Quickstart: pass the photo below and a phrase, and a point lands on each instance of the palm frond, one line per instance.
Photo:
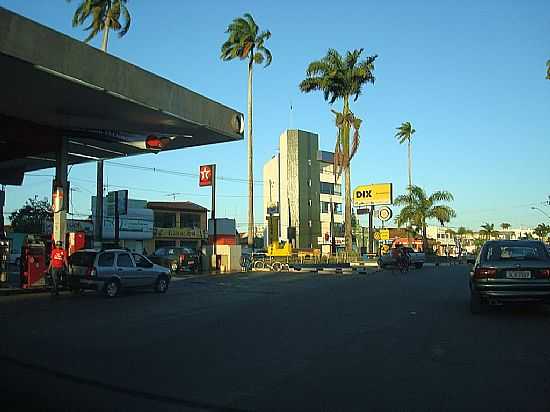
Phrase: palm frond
(441, 196)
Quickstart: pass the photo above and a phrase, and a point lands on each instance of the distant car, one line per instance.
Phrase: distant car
(109, 271)
(177, 259)
(417, 259)
(510, 271)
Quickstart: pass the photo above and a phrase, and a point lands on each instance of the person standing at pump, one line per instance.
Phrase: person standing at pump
(58, 263)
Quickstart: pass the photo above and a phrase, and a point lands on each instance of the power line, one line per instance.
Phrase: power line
(179, 173)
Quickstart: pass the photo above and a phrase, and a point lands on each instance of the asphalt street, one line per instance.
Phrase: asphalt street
(274, 342)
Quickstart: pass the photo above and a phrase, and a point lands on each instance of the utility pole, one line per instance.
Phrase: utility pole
(371, 240)
(98, 232)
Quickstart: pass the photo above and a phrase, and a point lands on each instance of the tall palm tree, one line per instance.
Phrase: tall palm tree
(418, 208)
(404, 134)
(548, 69)
(488, 230)
(105, 15)
(246, 42)
(340, 78)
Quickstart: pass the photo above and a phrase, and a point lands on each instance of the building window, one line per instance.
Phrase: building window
(337, 189)
(190, 220)
(165, 219)
(325, 207)
(338, 208)
(327, 188)
(338, 229)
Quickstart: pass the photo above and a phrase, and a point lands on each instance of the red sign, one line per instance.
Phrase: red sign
(206, 175)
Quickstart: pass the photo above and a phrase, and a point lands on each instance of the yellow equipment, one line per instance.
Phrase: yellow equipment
(279, 249)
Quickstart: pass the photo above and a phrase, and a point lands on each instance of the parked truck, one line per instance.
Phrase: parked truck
(417, 259)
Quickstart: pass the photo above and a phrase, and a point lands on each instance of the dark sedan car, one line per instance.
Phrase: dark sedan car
(510, 271)
(177, 259)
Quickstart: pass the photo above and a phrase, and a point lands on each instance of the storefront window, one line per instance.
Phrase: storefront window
(165, 219)
(190, 220)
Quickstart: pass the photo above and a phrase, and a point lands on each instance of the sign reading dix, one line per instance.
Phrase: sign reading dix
(375, 194)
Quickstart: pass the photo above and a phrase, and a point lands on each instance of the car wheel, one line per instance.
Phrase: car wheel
(111, 288)
(276, 267)
(418, 265)
(476, 304)
(258, 264)
(161, 286)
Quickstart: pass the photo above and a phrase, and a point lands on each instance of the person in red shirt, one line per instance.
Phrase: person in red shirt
(58, 263)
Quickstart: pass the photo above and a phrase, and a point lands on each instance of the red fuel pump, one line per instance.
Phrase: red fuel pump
(33, 263)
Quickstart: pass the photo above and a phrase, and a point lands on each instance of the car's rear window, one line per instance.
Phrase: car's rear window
(498, 252)
(82, 259)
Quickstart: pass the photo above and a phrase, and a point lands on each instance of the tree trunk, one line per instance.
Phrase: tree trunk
(410, 162)
(250, 163)
(347, 177)
(106, 34)
(424, 238)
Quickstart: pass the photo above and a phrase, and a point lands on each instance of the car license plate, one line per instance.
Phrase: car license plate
(191, 262)
(518, 274)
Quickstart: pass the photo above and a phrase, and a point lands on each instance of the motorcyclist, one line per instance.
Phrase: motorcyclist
(58, 264)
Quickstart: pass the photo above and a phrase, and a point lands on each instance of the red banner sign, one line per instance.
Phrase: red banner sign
(206, 175)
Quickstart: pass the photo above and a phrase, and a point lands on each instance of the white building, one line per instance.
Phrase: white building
(330, 195)
(298, 188)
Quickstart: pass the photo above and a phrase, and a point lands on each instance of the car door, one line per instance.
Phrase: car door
(105, 265)
(126, 269)
(144, 268)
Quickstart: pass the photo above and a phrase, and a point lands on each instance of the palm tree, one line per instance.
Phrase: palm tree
(542, 231)
(246, 41)
(404, 134)
(106, 15)
(505, 226)
(418, 207)
(488, 230)
(548, 69)
(339, 78)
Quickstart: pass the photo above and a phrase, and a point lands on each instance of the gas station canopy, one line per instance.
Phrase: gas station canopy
(56, 87)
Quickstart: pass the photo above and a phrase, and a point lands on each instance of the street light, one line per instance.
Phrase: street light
(541, 211)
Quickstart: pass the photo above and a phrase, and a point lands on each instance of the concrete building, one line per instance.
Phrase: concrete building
(330, 192)
(178, 224)
(298, 189)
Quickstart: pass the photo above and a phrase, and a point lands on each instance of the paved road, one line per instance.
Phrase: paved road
(273, 342)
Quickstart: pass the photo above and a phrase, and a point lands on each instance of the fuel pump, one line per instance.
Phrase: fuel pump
(33, 262)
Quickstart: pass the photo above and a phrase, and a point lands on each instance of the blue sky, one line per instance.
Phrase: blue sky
(469, 75)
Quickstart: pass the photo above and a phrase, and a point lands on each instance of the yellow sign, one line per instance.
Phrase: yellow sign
(376, 194)
(384, 234)
(178, 232)
(377, 235)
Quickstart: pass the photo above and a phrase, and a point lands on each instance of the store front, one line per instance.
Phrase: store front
(177, 224)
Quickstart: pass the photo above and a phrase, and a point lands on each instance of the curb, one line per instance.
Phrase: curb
(21, 291)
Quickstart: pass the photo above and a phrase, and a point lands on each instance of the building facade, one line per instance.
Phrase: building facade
(331, 205)
(177, 224)
(298, 190)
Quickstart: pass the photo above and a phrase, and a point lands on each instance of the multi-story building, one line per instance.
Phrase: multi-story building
(298, 190)
(331, 207)
(177, 224)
